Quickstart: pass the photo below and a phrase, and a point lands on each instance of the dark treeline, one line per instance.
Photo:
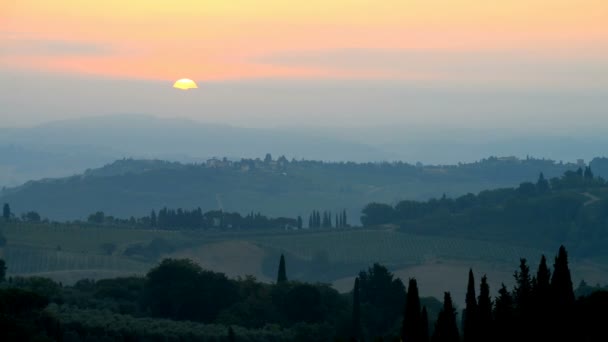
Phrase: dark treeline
(546, 210)
(326, 220)
(163, 305)
(218, 219)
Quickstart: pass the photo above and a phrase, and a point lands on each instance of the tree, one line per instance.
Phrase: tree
(2, 270)
(588, 174)
(179, 289)
(543, 279)
(98, 217)
(300, 223)
(446, 329)
(231, 335)
(376, 214)
(6, 212)
(411, 328)
(484, 311)
(31, 216)
(282, 274)
(523, 287)
(562, 297)
(541, 300)
(561, 282)
(383, 299)
(267, 158)
(153, 220)
(542, 185)
(470, 327)
(522, 294)
(356, 332)
(503, 316)
(424, 323)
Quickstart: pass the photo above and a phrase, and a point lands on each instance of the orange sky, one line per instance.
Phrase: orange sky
(242, 39)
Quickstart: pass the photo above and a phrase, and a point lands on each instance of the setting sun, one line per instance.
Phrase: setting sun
(185, 84)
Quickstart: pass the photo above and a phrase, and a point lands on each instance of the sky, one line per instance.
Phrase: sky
(264, 62)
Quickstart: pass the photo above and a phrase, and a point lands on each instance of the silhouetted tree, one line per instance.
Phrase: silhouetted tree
(383, 297)
(541, 300)
(424, 323)
(411, 328)
(300, 223)
(561, 282)
(523, 286)
(231, 335)
(282, 274)
(470, 326)
(522, 294)
(6, 212)
(446, 329)
(503, 316)
(562, 297)
(484, 311)
(356, 333)
(2, 270)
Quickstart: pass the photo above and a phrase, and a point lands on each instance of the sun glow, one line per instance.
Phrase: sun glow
(185, 84)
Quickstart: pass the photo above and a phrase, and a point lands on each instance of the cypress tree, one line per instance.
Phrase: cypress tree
(523, 301)
(543, 279)
(446, 329)
(542, 185)
(153, 218)
(561, 282)
(231, 335)
(484, 311)
(470, 313)
(344, 222)
(356, 333)
(282, 274)
(523, 286)
(541, 300)
(6, 212)
(411, 328)
(424, 324)
(300, 223)
(2, 270)
(503, 316)
(562, 298)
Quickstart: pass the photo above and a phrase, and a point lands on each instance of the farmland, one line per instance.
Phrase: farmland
(69, 252)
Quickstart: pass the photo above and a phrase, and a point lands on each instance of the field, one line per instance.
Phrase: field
(70, 252)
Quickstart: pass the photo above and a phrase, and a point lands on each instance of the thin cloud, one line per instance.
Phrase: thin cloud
(12, 46)
(556, 67)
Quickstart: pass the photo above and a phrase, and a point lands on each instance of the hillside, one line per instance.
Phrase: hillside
(276, 187)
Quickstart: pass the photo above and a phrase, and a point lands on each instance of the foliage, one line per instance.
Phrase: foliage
(573, 209)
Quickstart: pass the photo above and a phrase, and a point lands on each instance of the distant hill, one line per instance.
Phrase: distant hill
(276, 187)
(67, 147)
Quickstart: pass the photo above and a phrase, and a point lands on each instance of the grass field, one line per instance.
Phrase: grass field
(70, 252)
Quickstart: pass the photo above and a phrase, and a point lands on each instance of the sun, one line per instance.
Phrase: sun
(185, 84)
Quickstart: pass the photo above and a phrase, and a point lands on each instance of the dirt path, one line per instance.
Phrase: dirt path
(592, 198)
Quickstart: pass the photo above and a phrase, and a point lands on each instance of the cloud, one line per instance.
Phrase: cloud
(513, 66)
(16, 44)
